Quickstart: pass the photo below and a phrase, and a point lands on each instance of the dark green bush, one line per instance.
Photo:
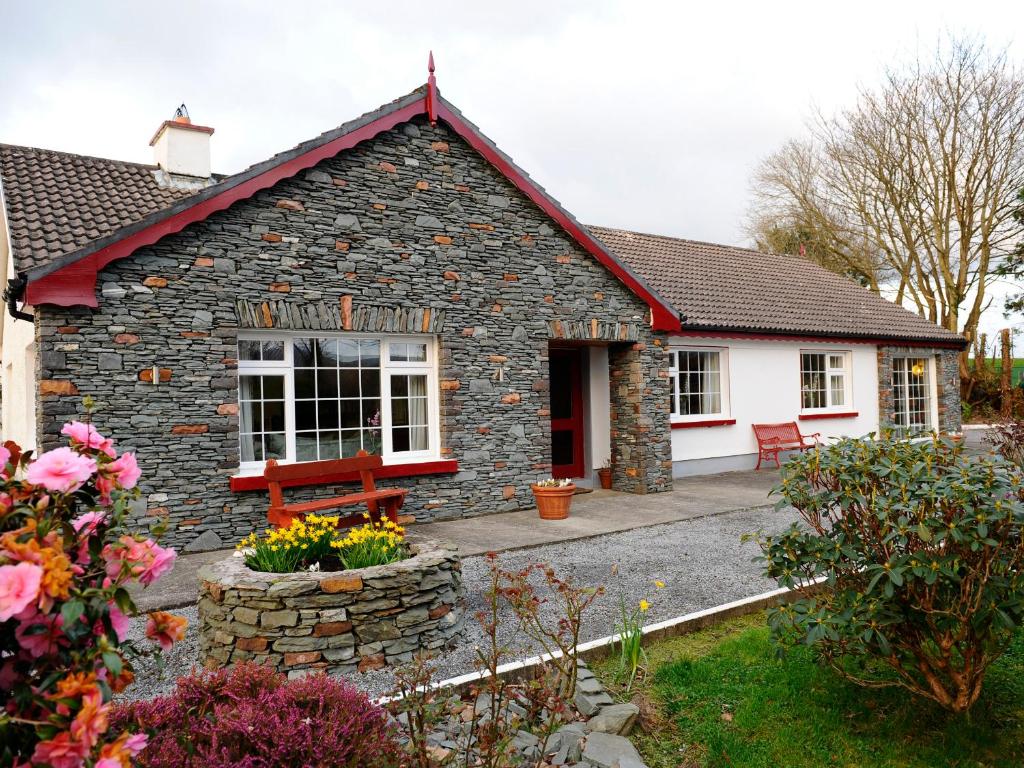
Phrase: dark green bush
(920, 551)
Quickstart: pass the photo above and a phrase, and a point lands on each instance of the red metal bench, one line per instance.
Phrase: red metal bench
(384, 502)
(773, 439)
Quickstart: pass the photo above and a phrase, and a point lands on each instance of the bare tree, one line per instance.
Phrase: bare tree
(913, 188)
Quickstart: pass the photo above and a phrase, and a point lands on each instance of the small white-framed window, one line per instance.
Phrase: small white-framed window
(912, 394)
(825, 380)
(699, 379)
(314, 396)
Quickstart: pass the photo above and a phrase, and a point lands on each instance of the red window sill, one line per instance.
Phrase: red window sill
(706, 423)
(816, 416)
(257, 483)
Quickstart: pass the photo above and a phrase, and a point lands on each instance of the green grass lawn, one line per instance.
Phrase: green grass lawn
(722, 697)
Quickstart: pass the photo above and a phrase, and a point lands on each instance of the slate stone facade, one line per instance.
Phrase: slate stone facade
(945, 368)
(411, 230)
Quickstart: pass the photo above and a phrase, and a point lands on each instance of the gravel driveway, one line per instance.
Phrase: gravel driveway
(702, 562)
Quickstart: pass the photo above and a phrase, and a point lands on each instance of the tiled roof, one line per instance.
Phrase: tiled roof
(59, 202)
(722, 288)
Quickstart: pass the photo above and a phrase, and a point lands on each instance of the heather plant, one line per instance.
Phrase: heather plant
(66, 558)
(920, 552)
(250, 716)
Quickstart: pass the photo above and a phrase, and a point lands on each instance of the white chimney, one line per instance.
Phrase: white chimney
(181, 148)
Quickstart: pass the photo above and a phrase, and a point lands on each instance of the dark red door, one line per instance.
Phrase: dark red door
(566, 388)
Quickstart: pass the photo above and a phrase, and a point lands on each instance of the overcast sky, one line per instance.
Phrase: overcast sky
(648, 116)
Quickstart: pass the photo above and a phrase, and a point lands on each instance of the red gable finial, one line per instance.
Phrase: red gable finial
(431, 90)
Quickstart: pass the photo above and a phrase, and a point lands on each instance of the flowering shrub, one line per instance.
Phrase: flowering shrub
(316, 543)
(254, 717)
(922, 554)
(65, 559)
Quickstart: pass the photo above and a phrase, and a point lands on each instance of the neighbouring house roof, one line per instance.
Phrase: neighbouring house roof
(68, 277)
(722, 289)
(58, 202)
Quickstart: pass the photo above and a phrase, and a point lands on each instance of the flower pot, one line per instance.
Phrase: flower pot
(604, 474)
(553, 503)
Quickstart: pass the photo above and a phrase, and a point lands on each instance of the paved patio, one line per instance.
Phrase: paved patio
(593, 514)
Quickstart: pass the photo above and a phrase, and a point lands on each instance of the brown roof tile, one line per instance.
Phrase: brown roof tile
(722, 288)
(58, 202)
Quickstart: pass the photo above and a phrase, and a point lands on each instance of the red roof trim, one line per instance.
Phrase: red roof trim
(771, 336)
(75, 284)
(241, 483)
(664, 317)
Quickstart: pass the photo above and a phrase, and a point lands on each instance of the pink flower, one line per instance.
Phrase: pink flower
(60, 752)
(108, 762)
(136, 743)
(127, 470)
(166, 628)
(119, 622)
(5, 456)
(162, 562)
(61, 470)
(41, 643)
(89, 521)
(19, 588)
(87, 436)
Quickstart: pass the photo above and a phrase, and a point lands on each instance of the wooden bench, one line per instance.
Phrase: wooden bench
(773, 439)
(381, 503)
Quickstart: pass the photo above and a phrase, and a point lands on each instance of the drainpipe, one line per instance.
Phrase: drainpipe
(14, 292)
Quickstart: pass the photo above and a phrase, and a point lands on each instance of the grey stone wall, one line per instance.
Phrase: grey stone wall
(410, 229)
(339, 622)
(947, 378)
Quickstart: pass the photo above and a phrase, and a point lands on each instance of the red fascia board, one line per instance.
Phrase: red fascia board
(706, 423)
(663, 317)
(241, 483)
(817, 416)
(76, 283)
(771, 336)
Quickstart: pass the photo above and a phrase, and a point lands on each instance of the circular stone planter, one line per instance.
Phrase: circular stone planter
(338, 622)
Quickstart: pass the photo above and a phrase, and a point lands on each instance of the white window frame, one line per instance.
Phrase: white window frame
(846, 371)
(286, 368)
(931, 386)
(723, 372)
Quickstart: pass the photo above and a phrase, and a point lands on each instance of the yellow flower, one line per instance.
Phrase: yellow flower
(644, 606)
(659, 584)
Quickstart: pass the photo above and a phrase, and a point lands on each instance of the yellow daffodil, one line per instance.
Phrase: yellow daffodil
(659, 584)
(644, 605)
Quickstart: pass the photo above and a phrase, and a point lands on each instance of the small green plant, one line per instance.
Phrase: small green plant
(631, 637)
(921, 550)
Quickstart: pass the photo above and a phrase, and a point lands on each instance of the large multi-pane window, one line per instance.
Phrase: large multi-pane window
(698, 383)
(824, 380)
(911, 394)
(316, 397)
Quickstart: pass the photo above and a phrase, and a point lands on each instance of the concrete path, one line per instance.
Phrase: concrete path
(593, 514)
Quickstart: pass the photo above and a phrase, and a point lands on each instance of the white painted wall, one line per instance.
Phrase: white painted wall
(764, 387)
(17, 360)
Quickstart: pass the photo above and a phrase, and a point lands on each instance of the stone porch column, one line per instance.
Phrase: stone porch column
(640, 430)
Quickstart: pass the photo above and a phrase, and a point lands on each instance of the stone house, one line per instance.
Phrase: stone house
(398, 284)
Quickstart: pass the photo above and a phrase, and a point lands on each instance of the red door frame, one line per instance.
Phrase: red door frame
(574, 423)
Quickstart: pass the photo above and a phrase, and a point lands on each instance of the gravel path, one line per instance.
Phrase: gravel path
(702, 562)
